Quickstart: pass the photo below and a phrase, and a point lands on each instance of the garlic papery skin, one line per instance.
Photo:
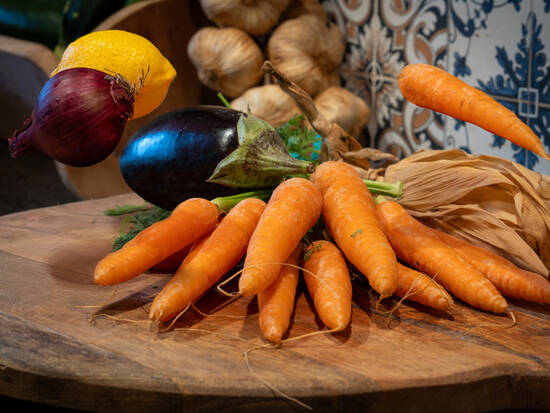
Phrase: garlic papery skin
(255, 17)
(268, 102)
(297, 8)
(227, 60)
(343, 107)
(308, 52)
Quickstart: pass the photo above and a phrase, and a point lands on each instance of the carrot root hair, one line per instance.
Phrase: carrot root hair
(270, 386)
(213, 312)
(398, 304)
(115, 291)
(225, 293)
(513, 317)
(382, 297)
(112, 317)
(509, 314)
(156, 323)
(278, 345)
(236, 294)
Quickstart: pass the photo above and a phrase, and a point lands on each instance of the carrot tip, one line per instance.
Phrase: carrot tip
(513, 317)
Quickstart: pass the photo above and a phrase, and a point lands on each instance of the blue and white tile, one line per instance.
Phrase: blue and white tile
(384, 36)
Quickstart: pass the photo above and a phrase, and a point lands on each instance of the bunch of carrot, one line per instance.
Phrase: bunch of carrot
(395, 252)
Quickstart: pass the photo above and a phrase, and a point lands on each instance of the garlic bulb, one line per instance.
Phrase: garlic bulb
(268, 102)
(256, 17)
(343, 107)
(227, 60)
(308, 52)
(298, 7)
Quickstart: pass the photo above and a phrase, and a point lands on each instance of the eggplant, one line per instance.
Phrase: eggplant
(169, 160)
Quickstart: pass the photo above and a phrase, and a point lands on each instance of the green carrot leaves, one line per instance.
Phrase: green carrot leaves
(136, 220)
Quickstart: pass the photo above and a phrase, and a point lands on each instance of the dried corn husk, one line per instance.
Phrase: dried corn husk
(489, 201)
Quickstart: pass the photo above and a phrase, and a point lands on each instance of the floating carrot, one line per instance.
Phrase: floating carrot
(509, 279)
(349, 213)
(209, 261)
(330, 287)
(418, 246)
(191, 220)
(292, 210)
(433, 88)
(276, 302)
(416, 286)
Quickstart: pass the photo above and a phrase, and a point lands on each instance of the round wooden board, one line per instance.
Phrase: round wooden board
(71, 343)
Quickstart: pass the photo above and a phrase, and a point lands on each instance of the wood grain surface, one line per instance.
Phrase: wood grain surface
(67, 342)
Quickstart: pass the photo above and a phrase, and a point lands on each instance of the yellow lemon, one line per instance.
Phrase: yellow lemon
(128, 54)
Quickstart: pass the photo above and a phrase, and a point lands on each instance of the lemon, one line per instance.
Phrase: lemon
(128, 54)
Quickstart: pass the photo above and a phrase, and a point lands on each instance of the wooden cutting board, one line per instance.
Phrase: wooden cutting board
(68, 342)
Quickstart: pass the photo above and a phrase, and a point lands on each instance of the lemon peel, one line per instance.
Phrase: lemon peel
(128, 54)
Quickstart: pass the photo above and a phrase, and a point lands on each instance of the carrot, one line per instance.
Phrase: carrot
(330, 288)
(294, 207)
(191, 220)
(209, 260)
(349, 213)
(276, 302)
(433, 88)
(509, 279)
(418, 246)
(416, 286)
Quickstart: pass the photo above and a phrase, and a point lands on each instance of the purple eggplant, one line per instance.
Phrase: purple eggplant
(169, 160)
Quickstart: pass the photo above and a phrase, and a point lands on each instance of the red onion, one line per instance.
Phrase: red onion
(78, 118)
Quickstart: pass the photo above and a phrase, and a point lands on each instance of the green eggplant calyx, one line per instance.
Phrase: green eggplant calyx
(261, 160)
(249, 127)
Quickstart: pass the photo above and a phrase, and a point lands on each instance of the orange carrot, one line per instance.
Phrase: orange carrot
(191, 220)
(276, 302)
(294, 207)
(433, 88)
(418, 246)
(509, 279)
(330, 287)
(209, 261)
(416, 286)
(349, 213)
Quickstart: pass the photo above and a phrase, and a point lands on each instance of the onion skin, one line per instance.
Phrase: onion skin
(78, 119)
(168, 160)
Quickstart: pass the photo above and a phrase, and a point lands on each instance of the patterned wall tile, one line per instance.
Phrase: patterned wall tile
(383, 36)
(499, 46)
